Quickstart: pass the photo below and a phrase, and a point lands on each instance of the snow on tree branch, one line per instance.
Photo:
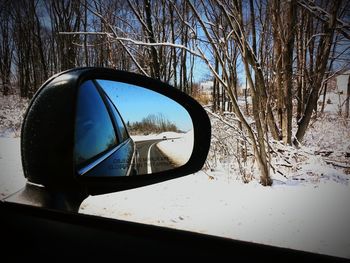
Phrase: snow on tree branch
(324, 16)
(140, 43)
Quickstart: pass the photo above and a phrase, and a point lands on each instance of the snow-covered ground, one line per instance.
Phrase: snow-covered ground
(159, 136)
(12, 109)
(11, 174)
(331, 131)
(310, 217)
(308, 208)
(139, 138)
(179, 150)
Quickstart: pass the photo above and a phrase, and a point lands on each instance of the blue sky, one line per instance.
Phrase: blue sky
(135, 103)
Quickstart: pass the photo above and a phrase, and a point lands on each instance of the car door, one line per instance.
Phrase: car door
(96, 155)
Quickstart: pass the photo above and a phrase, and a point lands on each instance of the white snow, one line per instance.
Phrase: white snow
(331, 131)
(12, 109)
(138, 138)
(309, 217)
(335, 101)
(11, 174)
(159, 136)
(178, 150)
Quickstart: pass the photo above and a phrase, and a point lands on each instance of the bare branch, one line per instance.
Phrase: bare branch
(85, 33)
(324, 16)
(168, 44)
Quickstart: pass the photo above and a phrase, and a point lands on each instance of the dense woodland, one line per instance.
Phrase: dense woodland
(287, 52)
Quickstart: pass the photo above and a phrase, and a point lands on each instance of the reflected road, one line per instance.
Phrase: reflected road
(151, 159)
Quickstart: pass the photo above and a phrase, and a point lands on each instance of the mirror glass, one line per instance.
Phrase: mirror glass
(125, 130)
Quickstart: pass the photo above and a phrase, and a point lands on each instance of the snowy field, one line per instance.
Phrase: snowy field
(168, 135)
(309, 209)
(179, 150)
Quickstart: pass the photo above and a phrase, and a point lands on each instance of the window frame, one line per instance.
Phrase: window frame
(109, 104)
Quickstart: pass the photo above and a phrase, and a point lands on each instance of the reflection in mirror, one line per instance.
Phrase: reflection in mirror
(153, 133)
(160, 127)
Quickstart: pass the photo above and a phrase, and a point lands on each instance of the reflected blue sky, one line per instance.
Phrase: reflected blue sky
(135, 103)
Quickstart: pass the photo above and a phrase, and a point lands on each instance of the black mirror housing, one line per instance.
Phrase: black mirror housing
(47, 139)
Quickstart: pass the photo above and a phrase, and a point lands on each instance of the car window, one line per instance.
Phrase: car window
(94, 132)
(270, 74)
(122, 131)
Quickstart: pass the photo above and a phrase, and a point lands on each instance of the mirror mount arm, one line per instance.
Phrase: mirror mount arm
(40, 196)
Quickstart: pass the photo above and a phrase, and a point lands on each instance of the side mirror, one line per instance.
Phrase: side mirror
(120, 130)
(96, 130)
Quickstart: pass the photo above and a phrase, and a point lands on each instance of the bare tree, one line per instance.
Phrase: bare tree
(6, 47)
(30, 54)
(284, 22)
(288, 50)
(316, 76)
(65, 16)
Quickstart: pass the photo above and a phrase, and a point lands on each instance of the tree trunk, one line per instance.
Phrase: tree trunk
(86, 51)
(347, 103)
(323, 52)
(300, 66)
(288, 72)
(151, 38)
(173, 50)
(324, 96)
(259, 148)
